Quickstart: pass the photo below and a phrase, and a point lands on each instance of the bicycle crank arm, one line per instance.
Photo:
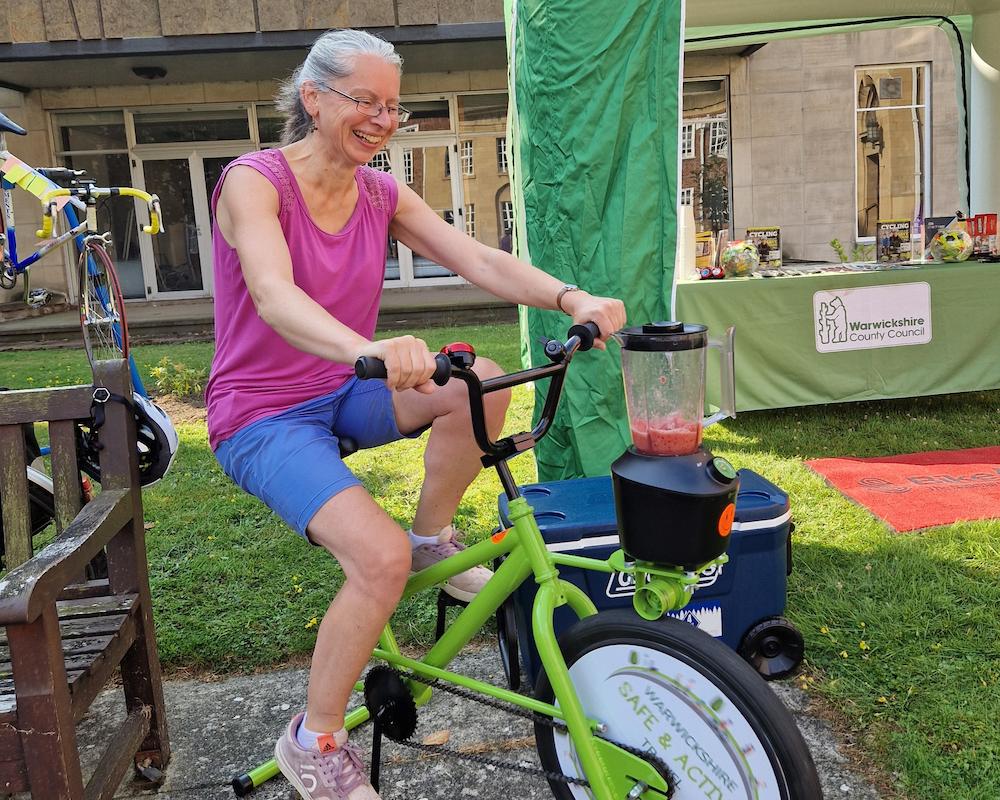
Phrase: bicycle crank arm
(628, 772)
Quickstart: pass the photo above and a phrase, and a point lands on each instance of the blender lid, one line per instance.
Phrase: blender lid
(663, 336)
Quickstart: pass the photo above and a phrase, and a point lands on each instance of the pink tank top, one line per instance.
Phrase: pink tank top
(256, 373)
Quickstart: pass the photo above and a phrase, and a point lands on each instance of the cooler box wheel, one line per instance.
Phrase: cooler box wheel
(774, 647)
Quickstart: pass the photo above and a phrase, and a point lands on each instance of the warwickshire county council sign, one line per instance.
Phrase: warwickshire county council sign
(875, 316)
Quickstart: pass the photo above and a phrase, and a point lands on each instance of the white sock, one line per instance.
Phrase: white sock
(305, 737)
(416, 541)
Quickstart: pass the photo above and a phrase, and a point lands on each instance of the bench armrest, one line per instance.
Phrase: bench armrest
(29, 587)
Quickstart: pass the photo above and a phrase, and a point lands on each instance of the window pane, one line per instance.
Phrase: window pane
(482, 113)
(380, 161)
(468, 161)
(98, 130)
(486, 193)
(116, 215)
(270, 123)
(687, 141)
(704, 146)
(426, 115)
(888, 86)
(890, 153)
(191, 126)
(502, 154)
(428, 165)
(176, 252)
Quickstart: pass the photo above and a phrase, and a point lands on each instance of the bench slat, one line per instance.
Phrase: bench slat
(74, 615)
(65, 472)
(70, 647)
(14, 494)
(34, 405)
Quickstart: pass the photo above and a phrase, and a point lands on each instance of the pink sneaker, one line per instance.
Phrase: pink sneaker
(464, 586)
(336, 773)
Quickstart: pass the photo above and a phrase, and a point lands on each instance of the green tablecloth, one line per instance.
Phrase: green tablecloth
(778, 358)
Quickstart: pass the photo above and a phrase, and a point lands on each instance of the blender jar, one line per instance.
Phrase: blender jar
(663, 366)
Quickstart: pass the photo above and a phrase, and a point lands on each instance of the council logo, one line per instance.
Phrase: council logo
(872, 317)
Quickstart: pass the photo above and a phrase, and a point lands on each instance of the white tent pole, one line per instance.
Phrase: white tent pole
(985, 112)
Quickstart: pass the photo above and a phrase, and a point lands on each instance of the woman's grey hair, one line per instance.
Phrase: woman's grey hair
(332, 56)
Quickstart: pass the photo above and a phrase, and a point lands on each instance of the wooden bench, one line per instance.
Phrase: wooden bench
(66, 637)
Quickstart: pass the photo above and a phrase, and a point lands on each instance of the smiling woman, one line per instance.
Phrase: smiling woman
(299, 246)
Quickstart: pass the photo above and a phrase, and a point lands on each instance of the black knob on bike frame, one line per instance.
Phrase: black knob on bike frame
(586, 333)
(370, 367)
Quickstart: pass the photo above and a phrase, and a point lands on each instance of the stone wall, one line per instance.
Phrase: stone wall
(62, 20)
(793, 138)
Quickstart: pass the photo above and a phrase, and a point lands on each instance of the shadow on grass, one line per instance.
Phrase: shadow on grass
(870, 428)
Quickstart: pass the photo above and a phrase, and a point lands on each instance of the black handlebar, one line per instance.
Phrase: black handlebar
(581, 337)
(370, 367)
(586, 333)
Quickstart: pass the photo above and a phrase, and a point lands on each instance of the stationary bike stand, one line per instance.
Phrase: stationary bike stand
(388, 700)
(444, 602)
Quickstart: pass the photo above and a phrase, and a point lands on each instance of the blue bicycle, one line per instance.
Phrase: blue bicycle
(102, 315)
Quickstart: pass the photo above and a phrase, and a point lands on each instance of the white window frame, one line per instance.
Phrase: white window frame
(384, 163)
(408, 166)
(687, 140)
(470, 219)
(466, 156)
(506, 215)
(502, 166)
(718, 137)
(928, 128)
(686, 197)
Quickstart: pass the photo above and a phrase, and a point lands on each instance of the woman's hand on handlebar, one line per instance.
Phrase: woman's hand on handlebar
(608, 313)
(408, 362)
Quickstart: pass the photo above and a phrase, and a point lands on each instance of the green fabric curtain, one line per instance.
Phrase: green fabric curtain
(593, 131)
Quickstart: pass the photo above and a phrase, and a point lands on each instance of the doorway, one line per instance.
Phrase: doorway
(177, 263)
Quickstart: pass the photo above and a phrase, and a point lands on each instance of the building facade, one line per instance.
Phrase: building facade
(820, 136)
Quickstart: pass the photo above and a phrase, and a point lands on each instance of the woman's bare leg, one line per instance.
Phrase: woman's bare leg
(375, 556)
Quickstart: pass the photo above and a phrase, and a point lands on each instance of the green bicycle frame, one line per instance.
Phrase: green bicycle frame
(525, 554)
(611, 771)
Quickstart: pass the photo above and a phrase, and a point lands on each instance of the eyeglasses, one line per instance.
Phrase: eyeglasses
(369, 107)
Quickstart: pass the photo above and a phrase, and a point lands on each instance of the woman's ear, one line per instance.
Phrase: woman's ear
(309, 95)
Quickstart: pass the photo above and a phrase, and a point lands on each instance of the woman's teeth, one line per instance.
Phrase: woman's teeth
(367, 138)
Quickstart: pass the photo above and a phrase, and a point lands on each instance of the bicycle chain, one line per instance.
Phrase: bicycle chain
(535, 717)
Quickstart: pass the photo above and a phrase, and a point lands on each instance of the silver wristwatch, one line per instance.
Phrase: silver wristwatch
(567, 287)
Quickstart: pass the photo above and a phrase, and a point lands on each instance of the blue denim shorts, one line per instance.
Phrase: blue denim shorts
(292, 461)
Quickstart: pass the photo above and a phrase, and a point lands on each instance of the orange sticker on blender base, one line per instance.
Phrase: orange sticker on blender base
(726, 520)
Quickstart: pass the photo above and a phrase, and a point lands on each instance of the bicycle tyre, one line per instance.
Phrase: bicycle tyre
(721, 728)
(102, 307)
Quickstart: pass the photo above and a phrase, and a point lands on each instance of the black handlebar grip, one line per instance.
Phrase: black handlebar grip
(586, 333)
(370, 367)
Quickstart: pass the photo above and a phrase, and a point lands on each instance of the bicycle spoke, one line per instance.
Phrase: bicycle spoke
(102, 314)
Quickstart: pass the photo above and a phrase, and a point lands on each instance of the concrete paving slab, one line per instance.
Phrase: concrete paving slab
(219, 729)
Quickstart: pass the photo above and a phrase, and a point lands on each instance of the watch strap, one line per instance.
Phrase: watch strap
(569, 287)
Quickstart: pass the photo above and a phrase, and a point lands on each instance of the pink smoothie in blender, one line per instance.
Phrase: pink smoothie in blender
(663, 365)
(669, 436)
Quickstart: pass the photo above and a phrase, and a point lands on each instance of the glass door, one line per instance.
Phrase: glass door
(430, 168)
(177, 263)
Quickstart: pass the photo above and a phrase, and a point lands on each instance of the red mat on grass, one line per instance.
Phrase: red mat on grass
(919, 490)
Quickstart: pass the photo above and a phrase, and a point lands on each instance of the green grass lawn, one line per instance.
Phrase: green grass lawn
(901, 631)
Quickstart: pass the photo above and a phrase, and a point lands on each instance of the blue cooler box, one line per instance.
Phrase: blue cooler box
(578, 517)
